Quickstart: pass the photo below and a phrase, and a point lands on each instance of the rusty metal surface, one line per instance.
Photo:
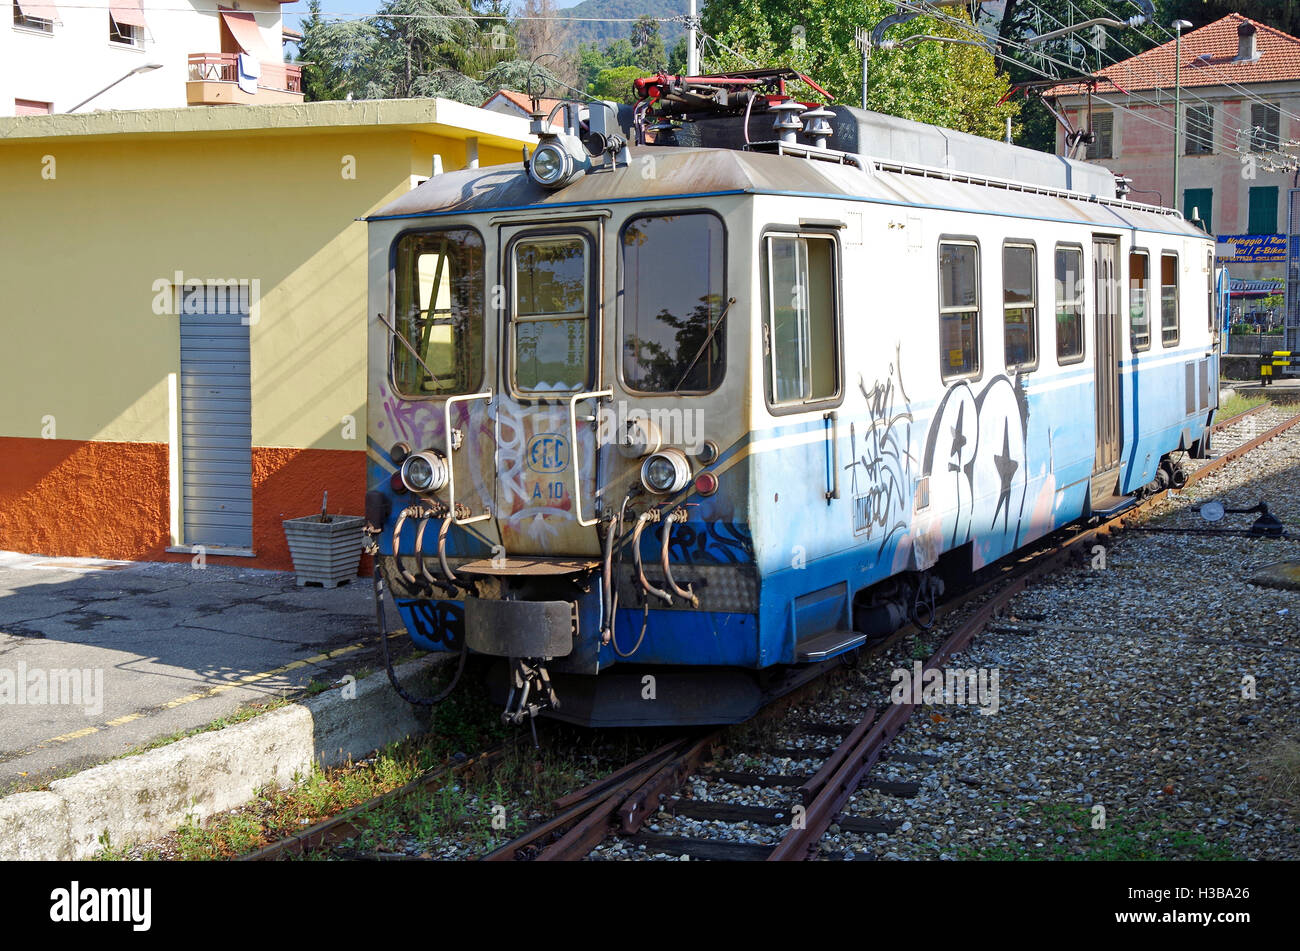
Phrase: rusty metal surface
(809, 790)
(590, 808)
(342, 826)
(647, 799)
(685, 172)
(1232, 420)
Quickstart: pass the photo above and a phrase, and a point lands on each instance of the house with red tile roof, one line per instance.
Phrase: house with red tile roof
(513, 103)
(1238, 154)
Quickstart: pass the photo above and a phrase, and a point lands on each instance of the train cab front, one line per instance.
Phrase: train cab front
(548, 394)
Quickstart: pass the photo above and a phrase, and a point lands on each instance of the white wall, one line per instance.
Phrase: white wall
(77, 59)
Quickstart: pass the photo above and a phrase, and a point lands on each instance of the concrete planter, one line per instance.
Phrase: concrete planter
(327, 553)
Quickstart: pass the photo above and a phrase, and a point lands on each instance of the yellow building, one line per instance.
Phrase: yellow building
(184, 316)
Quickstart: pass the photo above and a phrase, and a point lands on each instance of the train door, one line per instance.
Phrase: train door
(550, 384)
(1106, 305)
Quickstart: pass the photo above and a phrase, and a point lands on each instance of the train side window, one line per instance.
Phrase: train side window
(803, 299)
(959, 309)
(1069, 304)
(439, 307)
(1020, 306)
(549, 323)
(674, 334)
(1139, 300)
(1169, 299)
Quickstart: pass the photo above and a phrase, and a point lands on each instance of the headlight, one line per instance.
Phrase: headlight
(666, 472)
(551, 165)
(425, 471)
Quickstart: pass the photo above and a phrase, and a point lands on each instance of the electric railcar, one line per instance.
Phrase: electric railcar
(727, 404)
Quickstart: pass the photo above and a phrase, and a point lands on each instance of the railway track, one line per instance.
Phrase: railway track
(795, 808)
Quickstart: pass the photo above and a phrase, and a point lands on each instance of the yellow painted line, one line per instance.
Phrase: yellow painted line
(255, 678)
(199, 695)
(76, 735)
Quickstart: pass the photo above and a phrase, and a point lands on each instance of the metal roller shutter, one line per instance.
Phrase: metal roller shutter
(216, 432)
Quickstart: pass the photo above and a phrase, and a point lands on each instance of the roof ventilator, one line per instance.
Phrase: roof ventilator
(818, 125)
(787, 125)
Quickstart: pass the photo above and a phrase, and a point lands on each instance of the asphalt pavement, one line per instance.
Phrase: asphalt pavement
(98, 657)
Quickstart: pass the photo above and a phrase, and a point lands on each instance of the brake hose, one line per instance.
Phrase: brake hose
(381, 620)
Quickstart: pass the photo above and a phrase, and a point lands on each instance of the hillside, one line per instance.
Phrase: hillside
(604, 33)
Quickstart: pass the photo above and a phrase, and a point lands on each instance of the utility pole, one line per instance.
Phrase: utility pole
(1179, 26)
(692, 51)
(863, 39)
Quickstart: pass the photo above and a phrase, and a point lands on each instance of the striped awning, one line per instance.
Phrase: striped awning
(38, 9)
(243, 27)
(127, 12)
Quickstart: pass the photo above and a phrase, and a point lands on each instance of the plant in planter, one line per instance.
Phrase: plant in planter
(326, 549)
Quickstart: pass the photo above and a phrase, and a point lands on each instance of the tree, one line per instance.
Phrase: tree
(538, 33)
(615, 83)
(1076, 54)
(1282, 14)
(337, 56)
(945, 84)
(648, 44)
(677, 58)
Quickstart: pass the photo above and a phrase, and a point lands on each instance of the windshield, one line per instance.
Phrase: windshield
(439, 297)
(673, 303)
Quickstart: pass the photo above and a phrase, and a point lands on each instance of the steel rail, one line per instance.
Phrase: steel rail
(342, 826)
(633, 792)
(1233, 420)
(862, 748)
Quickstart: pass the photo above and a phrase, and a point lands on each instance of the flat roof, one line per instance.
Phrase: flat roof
(443, 117)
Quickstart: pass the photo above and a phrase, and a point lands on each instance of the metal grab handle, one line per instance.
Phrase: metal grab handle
(833, 419)
(573, 441)
(451, 464)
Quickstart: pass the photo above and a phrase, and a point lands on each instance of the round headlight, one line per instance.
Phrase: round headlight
(424, 471)
(666, 472)
(550, 165)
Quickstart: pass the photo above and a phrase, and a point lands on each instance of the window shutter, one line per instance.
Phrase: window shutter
(1265, 121)
(1263, 210)
(1103, 127)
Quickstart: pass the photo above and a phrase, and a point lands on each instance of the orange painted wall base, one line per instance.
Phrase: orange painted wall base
(65, 497)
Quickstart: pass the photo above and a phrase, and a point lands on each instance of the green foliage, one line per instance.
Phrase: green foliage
(952, 85)
(1063, 831)
(1282, 14)
(412, 48)
(616, 84)
(650, 54)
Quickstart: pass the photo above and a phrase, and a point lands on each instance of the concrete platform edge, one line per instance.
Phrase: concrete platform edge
(143, 797)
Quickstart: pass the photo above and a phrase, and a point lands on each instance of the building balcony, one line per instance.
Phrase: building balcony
(214, 81)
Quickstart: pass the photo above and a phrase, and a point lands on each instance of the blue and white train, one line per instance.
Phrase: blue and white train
(731, 388)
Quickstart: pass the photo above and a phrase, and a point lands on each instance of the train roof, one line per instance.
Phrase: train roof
(665, 172)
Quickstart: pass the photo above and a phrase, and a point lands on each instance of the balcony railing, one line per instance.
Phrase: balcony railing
(224, 68)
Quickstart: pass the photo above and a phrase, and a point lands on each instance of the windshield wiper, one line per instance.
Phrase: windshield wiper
(433, 376)
(713, 330)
